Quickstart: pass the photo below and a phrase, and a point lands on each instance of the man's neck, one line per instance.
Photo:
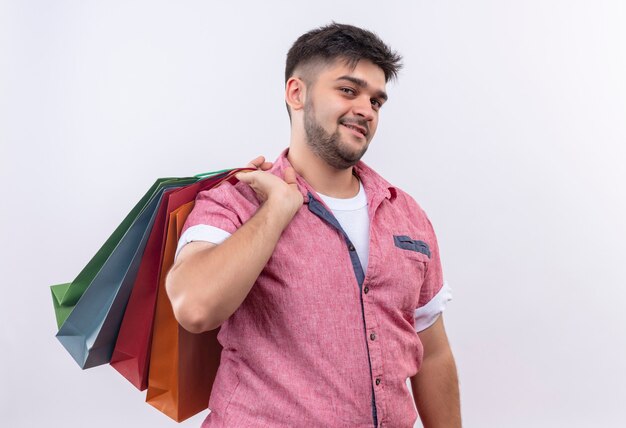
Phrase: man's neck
(329, 181)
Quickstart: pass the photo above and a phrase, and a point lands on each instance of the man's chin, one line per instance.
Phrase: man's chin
(350, 158)
(350, 153)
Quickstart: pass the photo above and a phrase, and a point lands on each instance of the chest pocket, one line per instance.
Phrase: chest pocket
(413, 245)
(405, 262)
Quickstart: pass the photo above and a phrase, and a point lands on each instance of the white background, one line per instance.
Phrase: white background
(507, 124)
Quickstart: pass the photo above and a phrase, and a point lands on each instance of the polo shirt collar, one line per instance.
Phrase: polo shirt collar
(376, 187)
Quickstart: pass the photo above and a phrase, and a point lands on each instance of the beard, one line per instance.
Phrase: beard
(329, 147)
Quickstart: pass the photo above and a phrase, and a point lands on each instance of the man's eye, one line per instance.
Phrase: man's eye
(377, 104)
(348, 91)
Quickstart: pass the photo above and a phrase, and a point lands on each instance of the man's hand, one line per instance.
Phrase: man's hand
(259, 163)
(284, 195)
(209, 282)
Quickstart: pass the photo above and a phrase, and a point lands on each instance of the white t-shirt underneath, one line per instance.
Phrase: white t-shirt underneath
(351, 213)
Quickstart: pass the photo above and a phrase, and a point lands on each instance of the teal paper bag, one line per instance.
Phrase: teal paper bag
(65, 296)
(90, 330)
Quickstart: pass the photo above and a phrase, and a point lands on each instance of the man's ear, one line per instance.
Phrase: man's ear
(295, 93)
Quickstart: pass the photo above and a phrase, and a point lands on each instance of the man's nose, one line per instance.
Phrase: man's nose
(363, 107)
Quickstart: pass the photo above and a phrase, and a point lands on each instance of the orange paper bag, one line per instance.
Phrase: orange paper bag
(182, 364)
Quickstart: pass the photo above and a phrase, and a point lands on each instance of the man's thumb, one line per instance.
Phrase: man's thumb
(245, 176)
(290, 175)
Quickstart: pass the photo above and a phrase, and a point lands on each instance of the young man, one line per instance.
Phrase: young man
(325, 279)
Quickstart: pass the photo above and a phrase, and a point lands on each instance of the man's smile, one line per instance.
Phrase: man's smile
(358, 130)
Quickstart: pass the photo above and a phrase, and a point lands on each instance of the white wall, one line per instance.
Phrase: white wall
(507, 124)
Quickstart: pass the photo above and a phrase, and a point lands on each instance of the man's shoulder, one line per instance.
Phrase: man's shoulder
(238, 194)
(396, 194)
(412, 212)
(409, 205)
(230, 194)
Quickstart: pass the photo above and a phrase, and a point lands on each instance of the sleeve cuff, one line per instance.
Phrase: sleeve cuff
(428, 314)
(201, 232)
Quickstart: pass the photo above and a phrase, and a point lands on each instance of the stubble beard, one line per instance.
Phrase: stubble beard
(329, 147)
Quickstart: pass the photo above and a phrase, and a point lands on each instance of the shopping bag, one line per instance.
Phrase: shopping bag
(90, 330)
(132, 349)
(65, 296)
(182, 365)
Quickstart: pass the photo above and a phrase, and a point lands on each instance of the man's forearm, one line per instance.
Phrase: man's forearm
(210, 285)
(436, 391)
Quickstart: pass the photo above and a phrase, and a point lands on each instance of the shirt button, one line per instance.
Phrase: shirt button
(373, 336)
(378, 381)
(351, 247)
(366, 290)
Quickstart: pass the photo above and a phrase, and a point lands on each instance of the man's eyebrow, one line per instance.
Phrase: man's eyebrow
(363, 84)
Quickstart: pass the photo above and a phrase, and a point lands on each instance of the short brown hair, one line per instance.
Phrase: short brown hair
(341, 41)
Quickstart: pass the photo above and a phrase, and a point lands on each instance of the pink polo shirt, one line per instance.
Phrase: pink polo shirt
(319, 341)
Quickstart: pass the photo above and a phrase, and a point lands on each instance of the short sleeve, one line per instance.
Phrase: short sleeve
(217, 214)
(434, 293)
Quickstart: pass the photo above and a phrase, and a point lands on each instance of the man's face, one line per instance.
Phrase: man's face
(341, 111)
